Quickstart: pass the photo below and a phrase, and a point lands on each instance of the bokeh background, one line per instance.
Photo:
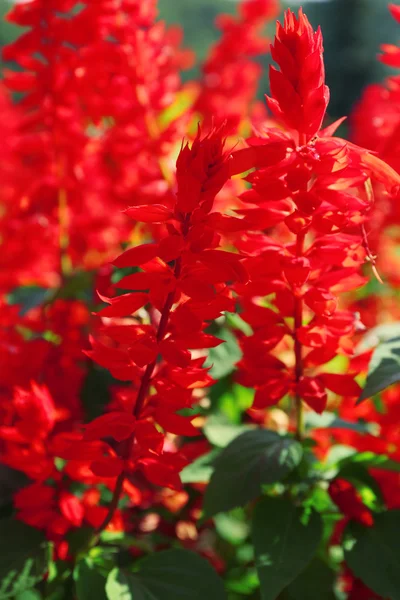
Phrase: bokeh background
(353, 31)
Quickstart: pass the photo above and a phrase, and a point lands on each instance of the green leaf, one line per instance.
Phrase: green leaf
(369, 460)
(89, 582)
(124, 586)
(381, 333)
(24, 560)
(220, 432)
(251, 460)
(384, 368)
(79, 539)
(284, 543)
(328, 419)
(366, 485)
(29, 595)
(200, 470)
(316, 582)
(232, 526)
(235, 401)
(374, 556)
(29, 297)
(167, 575)
(243, 582)
(223, 358)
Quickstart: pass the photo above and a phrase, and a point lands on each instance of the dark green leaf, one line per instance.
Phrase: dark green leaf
(284, 542)
(29, 297)
(384, 368)
(374, 556)
(251, 460)
(314, 583)
(95, 391)
(167, 575)
(89, 582)
(79, 539)
(200, 470)
(24, 559)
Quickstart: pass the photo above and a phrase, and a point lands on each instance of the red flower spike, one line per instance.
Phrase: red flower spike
(299, 94)
(201, 171)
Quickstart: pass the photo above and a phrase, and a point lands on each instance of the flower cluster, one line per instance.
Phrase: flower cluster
(230, 77)
(167, 305)
(314, 189)
(186, 296)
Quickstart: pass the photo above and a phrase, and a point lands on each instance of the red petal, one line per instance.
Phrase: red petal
(136, 256)
(341, 384)
(123, 306)
(107, 466)
(154, 213)
(118, 425)
(175, 423)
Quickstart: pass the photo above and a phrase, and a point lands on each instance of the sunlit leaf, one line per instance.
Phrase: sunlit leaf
(384, 368)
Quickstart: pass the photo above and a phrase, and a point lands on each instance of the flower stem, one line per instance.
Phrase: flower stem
(298, 322)
(140, 399)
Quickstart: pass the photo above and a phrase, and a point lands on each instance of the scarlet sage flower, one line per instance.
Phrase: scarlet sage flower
(346, 498)
(81, 151)
(312, 188)
(230, 76)
(186, 278)
(376, 124)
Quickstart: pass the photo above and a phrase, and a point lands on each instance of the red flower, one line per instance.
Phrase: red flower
(346, 498)
(299, 94)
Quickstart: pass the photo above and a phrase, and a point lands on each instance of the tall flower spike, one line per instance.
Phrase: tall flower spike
(299, 94)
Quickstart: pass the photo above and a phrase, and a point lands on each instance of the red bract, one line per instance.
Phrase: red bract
(299, 94)
(187, 295)
(314, 187)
